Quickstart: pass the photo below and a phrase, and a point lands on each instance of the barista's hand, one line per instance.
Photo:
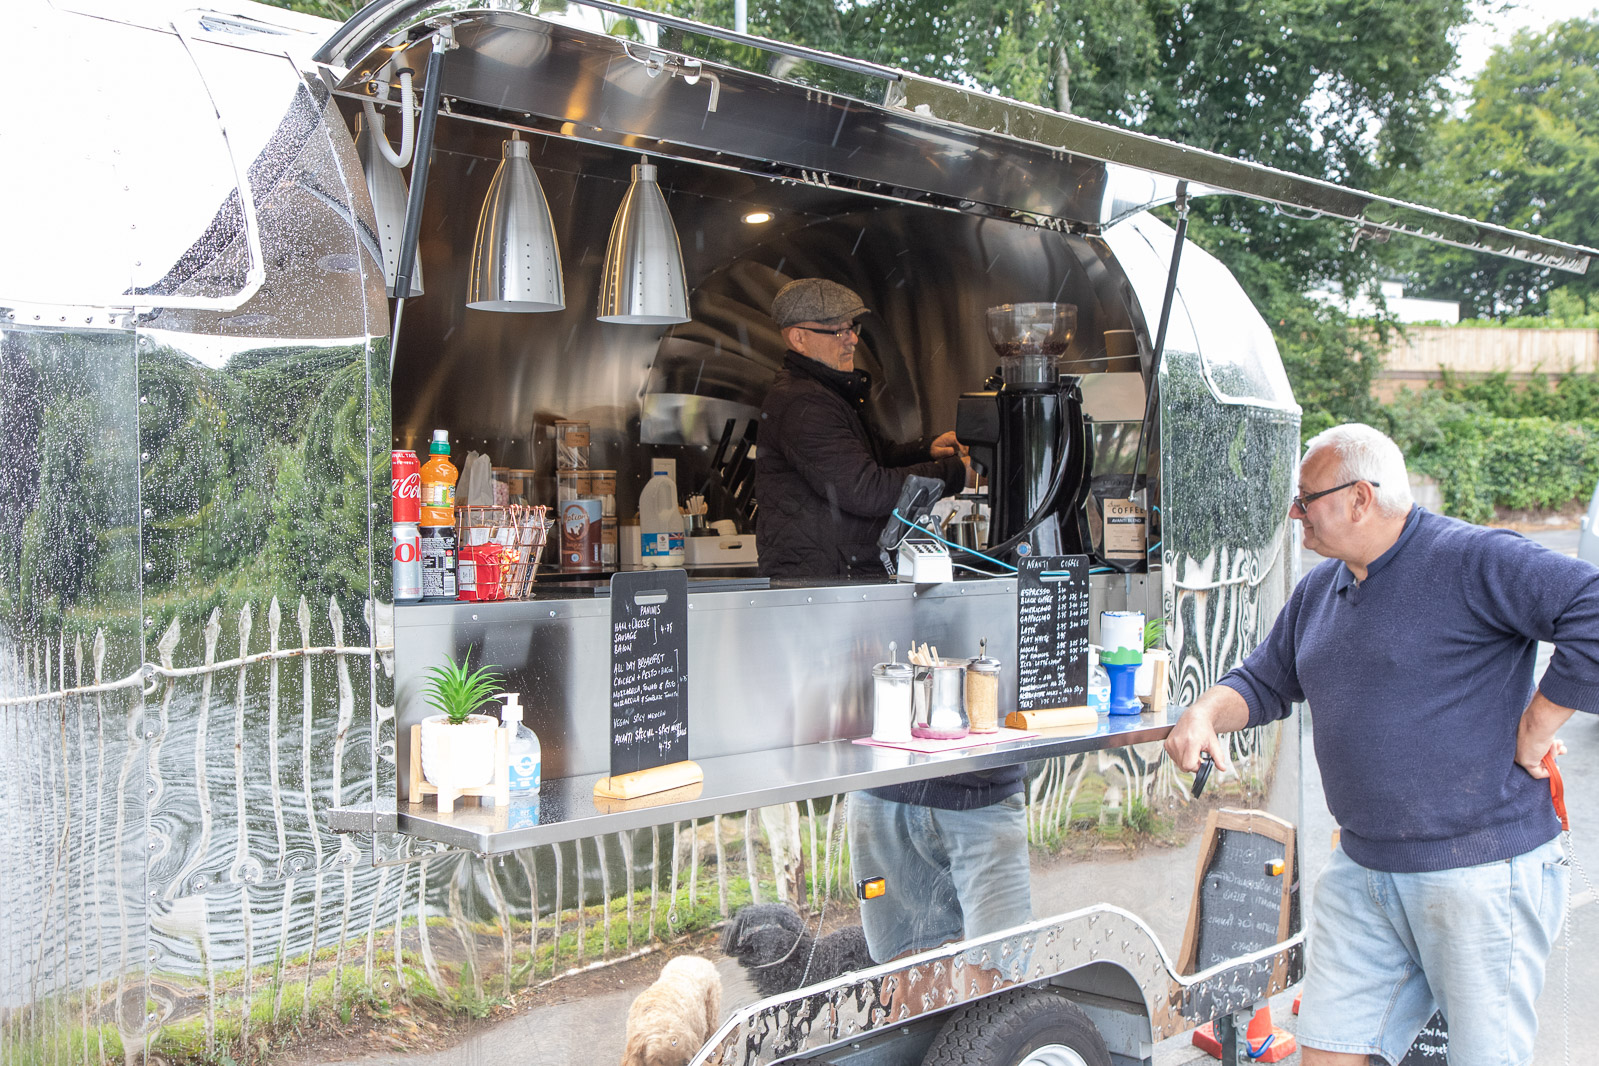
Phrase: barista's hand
(971, 472)
(945, 445)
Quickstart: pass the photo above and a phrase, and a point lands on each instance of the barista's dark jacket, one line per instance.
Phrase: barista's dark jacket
(826, 483)
(825, 480)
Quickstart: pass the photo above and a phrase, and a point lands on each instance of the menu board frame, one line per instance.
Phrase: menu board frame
(1226, 878)
(1052, 615)
(649, 682)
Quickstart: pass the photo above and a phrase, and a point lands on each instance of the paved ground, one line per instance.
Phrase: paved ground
(586, 1030)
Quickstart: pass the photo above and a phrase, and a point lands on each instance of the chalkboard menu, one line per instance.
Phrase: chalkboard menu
(1243, 888)
(1051, 632)
(649, 669)
(1431, 1044)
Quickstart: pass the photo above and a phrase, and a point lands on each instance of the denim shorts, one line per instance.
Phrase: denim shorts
(1387, 950)
(951, 874)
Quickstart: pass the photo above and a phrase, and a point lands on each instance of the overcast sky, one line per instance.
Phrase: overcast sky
(1498, 21)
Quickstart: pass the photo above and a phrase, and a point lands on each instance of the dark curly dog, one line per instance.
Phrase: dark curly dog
(771, 941)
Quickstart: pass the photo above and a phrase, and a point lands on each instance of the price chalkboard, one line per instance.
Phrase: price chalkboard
(1243, 890)
(1051, 632)
(1431, 1044)
(649, 670)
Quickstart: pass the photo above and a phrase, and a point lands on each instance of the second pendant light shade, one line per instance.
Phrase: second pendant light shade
(516, 262)
(643, 279)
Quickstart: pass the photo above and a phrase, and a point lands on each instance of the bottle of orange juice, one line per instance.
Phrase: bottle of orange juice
(439, 476)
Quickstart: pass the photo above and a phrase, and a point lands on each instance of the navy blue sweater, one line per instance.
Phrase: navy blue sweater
(1417, 678)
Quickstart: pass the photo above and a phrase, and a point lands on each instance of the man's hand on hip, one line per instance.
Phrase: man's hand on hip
(1218, 710)
(1535, 736)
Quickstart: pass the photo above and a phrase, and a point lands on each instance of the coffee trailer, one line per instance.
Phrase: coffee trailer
(208, 691)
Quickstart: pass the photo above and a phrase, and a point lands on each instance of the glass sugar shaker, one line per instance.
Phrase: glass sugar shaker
(891, 702)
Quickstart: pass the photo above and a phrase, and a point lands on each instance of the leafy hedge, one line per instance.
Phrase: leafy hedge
(1490, 445)
(1516, 463)
(1488, 441)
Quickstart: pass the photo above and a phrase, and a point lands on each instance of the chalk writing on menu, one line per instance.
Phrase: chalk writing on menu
(1431, 1044)
(1051, 632)
(649, 670)
(1240, 904)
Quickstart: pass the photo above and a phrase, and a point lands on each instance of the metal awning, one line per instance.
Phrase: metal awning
(841, 123)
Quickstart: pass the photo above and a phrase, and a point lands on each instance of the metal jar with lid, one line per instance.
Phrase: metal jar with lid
(939, 701)
(891, 702)
(982, 694)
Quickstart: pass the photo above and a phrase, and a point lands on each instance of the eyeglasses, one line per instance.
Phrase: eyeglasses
(1303, 502)
(837, 334)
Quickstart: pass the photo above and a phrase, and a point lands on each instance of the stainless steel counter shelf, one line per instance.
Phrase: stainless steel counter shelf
(566, 809)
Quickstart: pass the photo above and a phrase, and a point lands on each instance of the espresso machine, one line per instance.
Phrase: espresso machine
(1028, 435)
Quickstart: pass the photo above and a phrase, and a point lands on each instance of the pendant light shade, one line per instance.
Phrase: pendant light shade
(643, 279)
(516, 262)
(386, 186)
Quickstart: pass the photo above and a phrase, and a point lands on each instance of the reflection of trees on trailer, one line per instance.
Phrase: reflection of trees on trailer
(201, 671)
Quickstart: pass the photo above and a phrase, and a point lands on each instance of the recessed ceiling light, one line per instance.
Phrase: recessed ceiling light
(755, 218)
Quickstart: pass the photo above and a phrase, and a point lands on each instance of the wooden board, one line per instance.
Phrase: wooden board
(649, 671)
(1051, 632)
(1054, 718)
(1239, 906)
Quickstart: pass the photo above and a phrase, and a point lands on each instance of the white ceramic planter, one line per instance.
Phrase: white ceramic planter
(458, 756)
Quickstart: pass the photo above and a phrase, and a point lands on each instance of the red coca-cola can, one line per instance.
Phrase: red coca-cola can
(405, 491)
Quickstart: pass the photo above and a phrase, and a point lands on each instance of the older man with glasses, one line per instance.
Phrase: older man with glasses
(1414, 645)
(825, 477)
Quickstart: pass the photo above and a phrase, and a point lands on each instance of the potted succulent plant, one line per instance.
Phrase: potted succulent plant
(458, 745)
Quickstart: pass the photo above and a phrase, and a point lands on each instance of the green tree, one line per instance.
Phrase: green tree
(1525, 155)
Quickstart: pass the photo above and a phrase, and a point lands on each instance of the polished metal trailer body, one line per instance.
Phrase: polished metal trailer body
(204, 675)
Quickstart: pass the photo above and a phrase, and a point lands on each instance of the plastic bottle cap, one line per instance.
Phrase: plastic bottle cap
(441, 442)
(512, 712)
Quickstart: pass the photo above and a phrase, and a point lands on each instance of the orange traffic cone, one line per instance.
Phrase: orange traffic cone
(1264, 1041)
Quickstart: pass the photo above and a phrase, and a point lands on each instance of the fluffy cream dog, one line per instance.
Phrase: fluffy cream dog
(672, 1019)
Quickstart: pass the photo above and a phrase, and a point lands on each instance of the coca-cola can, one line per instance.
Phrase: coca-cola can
(405, 490)
(407, 562)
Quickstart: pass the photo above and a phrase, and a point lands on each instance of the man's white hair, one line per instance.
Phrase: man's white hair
(1367, 454)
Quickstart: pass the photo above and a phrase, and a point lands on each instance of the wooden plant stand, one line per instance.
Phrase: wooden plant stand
(498, 789)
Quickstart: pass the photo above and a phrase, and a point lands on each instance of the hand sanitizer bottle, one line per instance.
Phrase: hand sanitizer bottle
(1098, 684)
(526, 756)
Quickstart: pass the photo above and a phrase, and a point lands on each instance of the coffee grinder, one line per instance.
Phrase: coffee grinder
(1028, 435)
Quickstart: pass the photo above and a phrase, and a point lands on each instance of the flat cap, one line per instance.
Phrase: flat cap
(814, 300)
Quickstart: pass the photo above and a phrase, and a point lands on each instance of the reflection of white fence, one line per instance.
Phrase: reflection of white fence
(170, 877)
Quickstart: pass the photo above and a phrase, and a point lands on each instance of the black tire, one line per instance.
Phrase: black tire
(1006, 1029)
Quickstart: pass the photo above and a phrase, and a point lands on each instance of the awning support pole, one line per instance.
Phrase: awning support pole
(1134, 493)
(443, 41)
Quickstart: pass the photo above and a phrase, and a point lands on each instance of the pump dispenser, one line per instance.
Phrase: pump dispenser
(526, 756)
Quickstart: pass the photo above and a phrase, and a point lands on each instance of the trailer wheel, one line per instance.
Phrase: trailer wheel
(1021, 1027)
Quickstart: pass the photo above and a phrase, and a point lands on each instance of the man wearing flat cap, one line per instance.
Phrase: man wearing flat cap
(954, 849)
(826, 479)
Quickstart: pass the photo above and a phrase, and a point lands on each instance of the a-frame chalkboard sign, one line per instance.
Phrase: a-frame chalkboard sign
(1243, 889)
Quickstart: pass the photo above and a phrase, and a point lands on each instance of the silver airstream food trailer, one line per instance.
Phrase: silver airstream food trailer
(206, 687)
